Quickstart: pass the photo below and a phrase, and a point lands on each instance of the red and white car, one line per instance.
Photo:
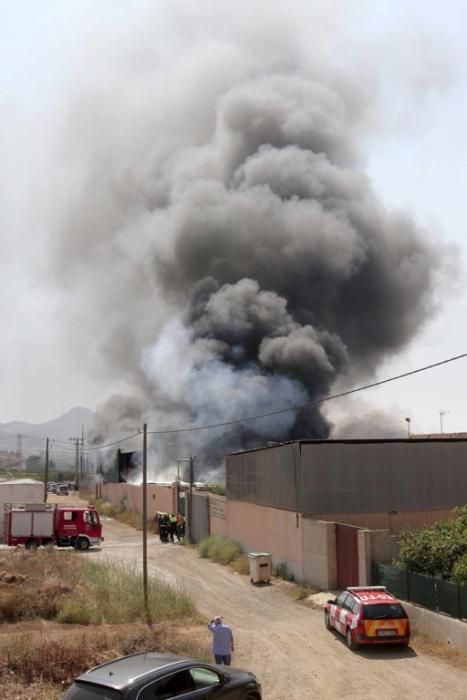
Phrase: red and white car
(368, 615)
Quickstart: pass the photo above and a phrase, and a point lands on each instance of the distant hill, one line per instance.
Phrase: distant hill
(70, 424)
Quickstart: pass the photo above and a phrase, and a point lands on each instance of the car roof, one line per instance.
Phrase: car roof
(372, 594)
(120, 673)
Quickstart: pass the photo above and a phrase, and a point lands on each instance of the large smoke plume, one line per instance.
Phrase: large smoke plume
(221, 243)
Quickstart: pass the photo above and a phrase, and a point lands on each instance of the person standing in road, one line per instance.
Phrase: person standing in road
(222, 640)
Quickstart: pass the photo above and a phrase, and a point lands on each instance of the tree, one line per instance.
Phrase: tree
(435, 550)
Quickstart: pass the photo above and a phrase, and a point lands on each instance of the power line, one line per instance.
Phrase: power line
(315, 402)
(111, 444)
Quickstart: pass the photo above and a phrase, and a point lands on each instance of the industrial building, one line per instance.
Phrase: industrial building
(310, 502)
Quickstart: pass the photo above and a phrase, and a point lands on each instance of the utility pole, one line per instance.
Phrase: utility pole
(190, 497)
(77, 442)
(19, 437)
(145, 521)
(46, 475)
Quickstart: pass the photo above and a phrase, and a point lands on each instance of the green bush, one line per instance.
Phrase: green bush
(219, 549)
(435, 550)
(217, 489)
(459, 571)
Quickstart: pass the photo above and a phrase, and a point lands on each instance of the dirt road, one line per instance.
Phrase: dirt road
(285, 643)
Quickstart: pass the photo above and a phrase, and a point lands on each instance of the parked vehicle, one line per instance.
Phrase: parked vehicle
(151, 676)
(62, 490)
(368, 615)
(36, 524)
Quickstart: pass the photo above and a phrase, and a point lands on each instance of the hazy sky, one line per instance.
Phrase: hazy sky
(414, 149)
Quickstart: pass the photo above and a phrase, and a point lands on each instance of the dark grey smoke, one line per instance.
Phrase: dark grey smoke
(227, 254)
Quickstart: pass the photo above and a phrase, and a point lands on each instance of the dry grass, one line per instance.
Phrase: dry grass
(241, 565)
(38, 590)
(69, 588)
(51, 659)
(446, 652)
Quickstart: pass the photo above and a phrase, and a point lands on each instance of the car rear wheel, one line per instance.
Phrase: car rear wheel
(327, 621)
(32, 545)
(82, 543)
(350, 640)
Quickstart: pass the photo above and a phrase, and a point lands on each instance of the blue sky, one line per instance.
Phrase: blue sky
(416, 156)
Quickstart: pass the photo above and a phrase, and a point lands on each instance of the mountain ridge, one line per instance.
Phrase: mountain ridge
(69, 424)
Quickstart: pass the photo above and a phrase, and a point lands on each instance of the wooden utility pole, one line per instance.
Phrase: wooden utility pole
(46, 475)
(145, 520)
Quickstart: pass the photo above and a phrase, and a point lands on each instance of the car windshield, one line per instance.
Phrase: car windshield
(383, 611)
(87, 691)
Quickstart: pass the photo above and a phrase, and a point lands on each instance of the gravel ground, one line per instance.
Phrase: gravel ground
(283, 642)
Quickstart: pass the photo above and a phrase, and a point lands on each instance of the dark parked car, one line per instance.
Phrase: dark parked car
(151, 676)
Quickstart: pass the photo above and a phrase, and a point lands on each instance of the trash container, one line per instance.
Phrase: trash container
(260, 567)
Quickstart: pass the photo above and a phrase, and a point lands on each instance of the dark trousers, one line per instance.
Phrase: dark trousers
(223, 659)
(173, 531)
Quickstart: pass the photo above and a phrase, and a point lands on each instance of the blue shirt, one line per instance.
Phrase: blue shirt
(222, 639)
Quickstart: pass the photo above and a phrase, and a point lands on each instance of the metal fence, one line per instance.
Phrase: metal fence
(428, 591)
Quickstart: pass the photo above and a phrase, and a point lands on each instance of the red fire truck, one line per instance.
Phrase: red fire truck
(35, 524)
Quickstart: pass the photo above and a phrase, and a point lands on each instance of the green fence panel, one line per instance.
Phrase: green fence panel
(463, 602)
(448, 597)
(422, 590)
(433, 593)
(394, 579)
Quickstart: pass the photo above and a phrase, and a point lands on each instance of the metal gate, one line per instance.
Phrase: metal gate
(347, 555)
(199, 518)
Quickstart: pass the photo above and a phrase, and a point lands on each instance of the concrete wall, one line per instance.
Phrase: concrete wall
(198, 523)
(217, 515)
(263, 529)
(378, 545)
(319, 553)
(394, 522)
(25, 492)
(160, 497)
(440, 628)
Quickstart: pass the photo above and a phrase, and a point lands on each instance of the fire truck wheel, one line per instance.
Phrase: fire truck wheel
(82, 543)
(32, 544)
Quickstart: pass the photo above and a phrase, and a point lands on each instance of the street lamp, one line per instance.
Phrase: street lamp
(407, 420)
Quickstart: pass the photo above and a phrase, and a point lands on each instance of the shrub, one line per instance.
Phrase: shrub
(459, 571)
(435, 550)
(219, 549)
(217, 489)
(78, 611)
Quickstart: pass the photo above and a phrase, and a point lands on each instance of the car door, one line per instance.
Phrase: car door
(174, 685)
(210, 685)
(337, 612)
(195, 683)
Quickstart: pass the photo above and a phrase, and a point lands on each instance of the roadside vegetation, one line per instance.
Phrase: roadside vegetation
(228, 552)
(59, 619)
(217, 489)
(438, 550)
(118, 512)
